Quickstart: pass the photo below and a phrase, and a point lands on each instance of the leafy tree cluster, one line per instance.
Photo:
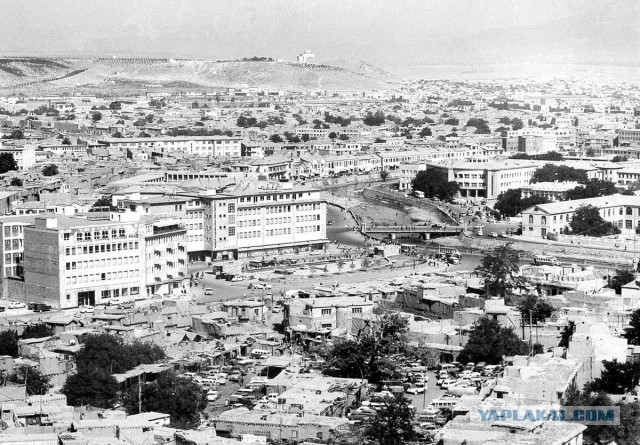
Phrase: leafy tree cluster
(290, 137)
(15, 134)
(481, 125)
(511, 203)
(516, 124)
(276, 138)
(621, 278)
(560, 173)
(592, 189)
(535, 309)
(369, 354)
(155, 103)
(619, 158)
(549, 156)
(500, 271)
(489, 342)
(425, 132)
(626, 433)
(338, 120)
(7, 163)
(96, 116)
(101, 356)
(180, 397)
(587, 221)
(247, 122)
(393, 424)
(616, 378)
(50, 170)
(434, 184)
(452, 121)
(198, 132)
(16, 182)
(48, 111)
(36, 381)
(317, 123)
(9, 343)
(115, 105)
(103, 202)
(374, 119)
(38, 330)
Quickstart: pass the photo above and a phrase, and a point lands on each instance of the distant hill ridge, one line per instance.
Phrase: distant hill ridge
(24, 72)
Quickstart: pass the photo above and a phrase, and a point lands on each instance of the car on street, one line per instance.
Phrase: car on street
(418, 389)
(503, 234)
(208, 291)
(237, 278)
(212, 396)
(86, 309)
(17, 305)
(493, 234)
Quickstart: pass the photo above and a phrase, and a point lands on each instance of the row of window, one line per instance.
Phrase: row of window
(194, 226)
(13, 244)
(354, 310)
(164, 240)
(12, 230)
(125, 291)
(107, 262)
(101, 248)
(98, 235)
(105, 276)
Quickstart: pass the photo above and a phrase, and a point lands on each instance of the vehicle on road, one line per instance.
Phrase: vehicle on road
(212, 396)
(86, 309)
(545, 260)
(208, 291)
(418, 389)
(237, 278)
(493, 234)
(17, 305)
(503, 234)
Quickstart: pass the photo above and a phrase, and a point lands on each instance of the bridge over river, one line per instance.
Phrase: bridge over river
(424, 231)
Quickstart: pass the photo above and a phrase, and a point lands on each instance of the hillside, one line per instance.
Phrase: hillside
(24, 74)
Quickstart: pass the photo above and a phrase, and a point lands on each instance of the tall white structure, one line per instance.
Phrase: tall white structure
(306, 57)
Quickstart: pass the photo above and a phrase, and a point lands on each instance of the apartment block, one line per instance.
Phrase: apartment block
(215, 146)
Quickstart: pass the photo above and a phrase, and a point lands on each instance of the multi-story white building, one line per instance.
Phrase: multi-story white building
(74, 261)
(12, 245)
(25, 157)
(486, 179)
(408, 172)
(553, 191)
(621, 210)
(263, 218)
(214, 146)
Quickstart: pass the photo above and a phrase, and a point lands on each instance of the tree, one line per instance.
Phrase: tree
(17, 134)
(384, 174)
(103, 202)
(333, 135)
(9, 343)
(50, 170)
(305, 137)
(66, 141)
(489, 342)
(374, 119)
(116, 105)
(36, 382)
(559, 173)
(500, 271)
(590, 152)
(180, 397)
(426, 131)
(592, 189)
(516, 123)
(276, 138)
(393, 424)
(39, 330)
(616, 378)
(343, 137)
(481, 125)
(587, 221)
(534, 309)
(452, 121)
(149, 118)
(368, 356)
(91, 386)
(155, 103)
(633, 334)
(109, 352)
(7, 163)
(97, 116)
(621, 277)
(510, 203)
(16, 182)
(504, 120)
(619, 158)
(433, 183)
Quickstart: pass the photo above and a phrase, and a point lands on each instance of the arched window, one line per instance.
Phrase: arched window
(530, 219)
(543, 220)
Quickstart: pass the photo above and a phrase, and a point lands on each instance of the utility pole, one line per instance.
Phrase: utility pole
(139, 396)
(530, 335)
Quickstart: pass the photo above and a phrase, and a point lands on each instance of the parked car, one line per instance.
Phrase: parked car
(493, 234)
(208, 291)
(418, 389)
(86, 309)
(212, 396)
(17, 305)
(237, 278)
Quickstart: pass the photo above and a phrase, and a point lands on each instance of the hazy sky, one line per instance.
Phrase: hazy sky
(381, 32)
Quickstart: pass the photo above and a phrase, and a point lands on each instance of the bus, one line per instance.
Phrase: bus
(418, 194)
(448, 402)
(545, 260)
(450, 251)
